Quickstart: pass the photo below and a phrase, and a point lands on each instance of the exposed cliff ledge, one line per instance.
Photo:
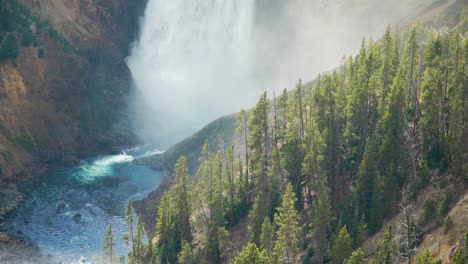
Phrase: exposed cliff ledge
(63, 91)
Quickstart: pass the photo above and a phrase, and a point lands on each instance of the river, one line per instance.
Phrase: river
(66, 216)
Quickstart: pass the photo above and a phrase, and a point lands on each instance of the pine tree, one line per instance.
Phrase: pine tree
(357, 257)
(432, 102)
(367, 193)
(257, 215)
(231, 183)
(313, 146)
(217, 207)
(242, 132)
(267, 237)
(286, 219)
(458, 95)
(182, 199)
(185, 255)
(109, 244)
(391, 133)
(129, 220)
(410, 61)
(225, 245)
(356, 130)
(321, 220)
(388, 68)
(462, 255)
(387, 250)
(140, 254)
(259, 144)
(277, 179)
(164, 229)
(282, 104)
(425, 258)
(342, 247)
(292, 149)
(251, 254)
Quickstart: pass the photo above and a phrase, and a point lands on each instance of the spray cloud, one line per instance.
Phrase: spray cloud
(198, 59)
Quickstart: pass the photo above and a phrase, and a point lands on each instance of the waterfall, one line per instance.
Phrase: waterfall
(192, 58)
(195, 60)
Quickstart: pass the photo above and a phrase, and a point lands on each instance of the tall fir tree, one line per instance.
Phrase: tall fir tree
(432, 101)
(357, 257)
(321, 220)
(286, 219)
(108, 247)
(342, 247)
(387, 249)
(182, 199)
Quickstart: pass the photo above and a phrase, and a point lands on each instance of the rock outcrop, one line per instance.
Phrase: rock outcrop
(63, 82)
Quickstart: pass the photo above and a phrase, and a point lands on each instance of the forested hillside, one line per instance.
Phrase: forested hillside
(316, 171)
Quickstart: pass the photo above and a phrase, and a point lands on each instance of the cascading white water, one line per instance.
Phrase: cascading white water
(192, 49)
(198, 59)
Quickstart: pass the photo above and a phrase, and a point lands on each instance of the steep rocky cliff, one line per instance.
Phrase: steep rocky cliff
(63, 81)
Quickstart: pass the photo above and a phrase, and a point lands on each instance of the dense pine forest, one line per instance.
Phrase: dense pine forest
(316, 170)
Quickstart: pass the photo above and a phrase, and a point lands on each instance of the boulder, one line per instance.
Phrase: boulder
(60, 206)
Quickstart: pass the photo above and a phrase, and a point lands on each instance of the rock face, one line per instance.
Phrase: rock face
(63, 94)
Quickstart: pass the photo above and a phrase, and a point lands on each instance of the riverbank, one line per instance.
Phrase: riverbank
(68, 208)
(16, 250)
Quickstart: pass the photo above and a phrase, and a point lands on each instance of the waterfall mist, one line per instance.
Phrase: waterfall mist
(198, 59)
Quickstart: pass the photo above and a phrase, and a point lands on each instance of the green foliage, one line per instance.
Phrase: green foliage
(357, 257)
(425, 258)
(16, 23)
(387, 250)
(462, 254)
(448, 224)
(129, 219)
(267, 237)
(343, 146)
(185, 255)
(251, 254)
(342, 247)
(182, 199)
(25, 141)
(168, 239)
(429, 209)
(109, 244)
(368, 191)
(309, 254)
(286, 219)
(424, 171)
(257, 216)
(321, 220)
(40, 53)
(223, 241)
(444, 205)
(432, 121)
(27, 37)
(9, 48)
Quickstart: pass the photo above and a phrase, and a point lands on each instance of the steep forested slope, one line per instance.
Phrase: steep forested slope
(317, 171)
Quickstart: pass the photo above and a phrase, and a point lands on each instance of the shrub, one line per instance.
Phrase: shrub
(40, 53)
(424, 171)
(429, 208)
(27, 37)
(448, 224)
(9, 48)
(443, 207)
(308, 255)
(25, 141)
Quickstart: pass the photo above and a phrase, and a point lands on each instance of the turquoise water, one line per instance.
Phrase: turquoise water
(97, 190)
